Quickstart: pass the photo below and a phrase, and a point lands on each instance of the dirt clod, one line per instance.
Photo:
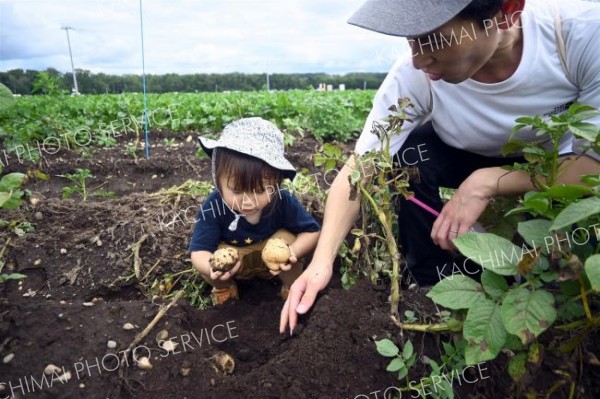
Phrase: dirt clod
(144, 363)
(162, 335)
(8, 358)
(52, 369)
(128, 326)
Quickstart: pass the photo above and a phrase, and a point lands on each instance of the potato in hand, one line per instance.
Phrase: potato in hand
(224, 259)
(275, 252)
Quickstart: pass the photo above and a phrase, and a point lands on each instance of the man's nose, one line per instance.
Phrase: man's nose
(420, 57)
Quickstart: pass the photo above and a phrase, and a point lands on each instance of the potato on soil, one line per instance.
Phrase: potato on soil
(275, 252)
(222, 362)
(224, 259)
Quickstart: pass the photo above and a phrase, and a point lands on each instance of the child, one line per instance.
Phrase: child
(248, 207)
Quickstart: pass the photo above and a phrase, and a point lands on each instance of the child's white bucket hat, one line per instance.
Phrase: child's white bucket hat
(256, 137)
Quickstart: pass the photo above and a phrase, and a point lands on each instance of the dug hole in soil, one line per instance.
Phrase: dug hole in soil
(73, 302)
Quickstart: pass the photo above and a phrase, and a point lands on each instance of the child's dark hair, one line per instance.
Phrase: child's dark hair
(245, 173)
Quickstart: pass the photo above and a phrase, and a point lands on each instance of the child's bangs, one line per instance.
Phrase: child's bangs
(244, 173)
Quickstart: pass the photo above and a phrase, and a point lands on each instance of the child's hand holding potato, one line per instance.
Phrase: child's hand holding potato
(278, 256)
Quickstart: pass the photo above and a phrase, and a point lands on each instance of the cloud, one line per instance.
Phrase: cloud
(188, 36)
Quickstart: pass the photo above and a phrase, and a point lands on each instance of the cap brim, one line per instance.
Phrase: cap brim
(406, 17)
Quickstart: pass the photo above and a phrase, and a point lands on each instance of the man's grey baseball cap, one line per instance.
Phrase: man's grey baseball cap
(406, 17)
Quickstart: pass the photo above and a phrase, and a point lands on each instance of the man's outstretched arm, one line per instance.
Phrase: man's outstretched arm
(339, 216)
(470, 200)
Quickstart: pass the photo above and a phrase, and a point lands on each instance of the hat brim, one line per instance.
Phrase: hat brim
(279, 163)
(406, 18)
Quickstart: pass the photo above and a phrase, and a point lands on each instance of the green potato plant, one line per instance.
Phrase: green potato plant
(551, 281)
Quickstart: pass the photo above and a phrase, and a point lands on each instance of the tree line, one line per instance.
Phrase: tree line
(21, 81)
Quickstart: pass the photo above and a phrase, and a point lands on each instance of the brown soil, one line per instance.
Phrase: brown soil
(43, 319)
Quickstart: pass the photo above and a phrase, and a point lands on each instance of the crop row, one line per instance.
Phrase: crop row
(337, 115)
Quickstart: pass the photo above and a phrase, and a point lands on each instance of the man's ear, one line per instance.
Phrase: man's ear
(510, 13)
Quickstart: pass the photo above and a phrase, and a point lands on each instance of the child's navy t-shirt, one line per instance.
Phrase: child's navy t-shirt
(214, 218)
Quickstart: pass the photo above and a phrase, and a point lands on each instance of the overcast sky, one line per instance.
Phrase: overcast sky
(192, 36)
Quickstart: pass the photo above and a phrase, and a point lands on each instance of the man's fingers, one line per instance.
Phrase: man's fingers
(296, 293)
(284, 318)
(308, 299)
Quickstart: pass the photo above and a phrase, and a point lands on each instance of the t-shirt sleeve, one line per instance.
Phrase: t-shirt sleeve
(207, 230)
(402, 81)
(296, 219)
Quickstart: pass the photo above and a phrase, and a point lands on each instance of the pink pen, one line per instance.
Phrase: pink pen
(476, 228)
(424, 206)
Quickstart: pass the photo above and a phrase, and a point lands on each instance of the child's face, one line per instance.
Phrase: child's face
(246, 202)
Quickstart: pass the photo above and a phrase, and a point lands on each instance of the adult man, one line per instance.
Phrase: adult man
(476, 66)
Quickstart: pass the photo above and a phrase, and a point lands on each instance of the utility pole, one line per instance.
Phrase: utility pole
(268, 81)
(76, 89)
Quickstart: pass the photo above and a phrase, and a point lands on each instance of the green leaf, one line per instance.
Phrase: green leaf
(592, 269)
(4, 196)
(537, 202)
(528, 313)
(14, 201)
(447, 389)
(403, 372)
(577, 108)
(490, 251)
(484, 332)
(575, 212)
(12, 181)
(567, 192)
(407, 351)
(67, 192)
(517, 211)
(516, 366)
(396, 365)
(387, 348)
(592, 180)
(354, 176)
(494, 284)
(549, 276)
(6, 98)
(513, 343)
(534, 231)
(332, 150)
(585, 130)
(12, 276)
(457, 292)
(513, 147)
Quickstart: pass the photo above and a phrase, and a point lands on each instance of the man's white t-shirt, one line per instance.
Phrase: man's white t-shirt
(478, 117)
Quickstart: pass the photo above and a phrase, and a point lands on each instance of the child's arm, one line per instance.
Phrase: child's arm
(304, 244)
(200, 262)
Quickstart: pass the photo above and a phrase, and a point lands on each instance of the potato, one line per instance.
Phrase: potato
(223, 362)
(224, 259)
(275, 252)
